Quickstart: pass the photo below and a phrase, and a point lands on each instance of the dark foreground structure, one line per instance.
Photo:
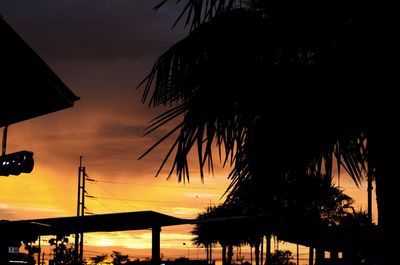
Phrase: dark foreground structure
(29, 88)
(14, 232)
(348, 241)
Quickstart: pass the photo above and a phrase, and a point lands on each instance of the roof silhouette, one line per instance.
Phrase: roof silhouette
(29, 88)
(25, 229)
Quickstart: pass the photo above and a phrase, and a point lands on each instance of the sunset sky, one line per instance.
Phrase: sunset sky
(102, 49)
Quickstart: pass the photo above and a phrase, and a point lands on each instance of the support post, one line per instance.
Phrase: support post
(4, 143)
(155, 245)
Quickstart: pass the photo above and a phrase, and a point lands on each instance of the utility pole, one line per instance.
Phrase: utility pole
(80, 211)
(39, 252)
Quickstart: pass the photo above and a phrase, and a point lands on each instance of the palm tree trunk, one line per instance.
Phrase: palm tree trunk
(320, 256)
(385, 229)
(262, 250)
(251, 254)
(230, 255)
(211, 259)
(268, 256)
(384, 156)
(334, 257)
(224, 255)
(257, 252)
(240, 253)
(207, 253)
(311, 256)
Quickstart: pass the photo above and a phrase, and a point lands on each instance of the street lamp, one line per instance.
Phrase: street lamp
(16, 163)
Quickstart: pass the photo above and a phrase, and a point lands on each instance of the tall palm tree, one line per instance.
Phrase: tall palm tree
(251, 80)
(279, 87)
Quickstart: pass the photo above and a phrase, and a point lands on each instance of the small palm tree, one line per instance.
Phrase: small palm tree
(99, 258)
(204, 235)
(118, 258)
(282, 257)
(218, 224)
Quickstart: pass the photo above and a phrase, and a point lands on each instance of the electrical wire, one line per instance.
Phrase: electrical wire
(151, 201)
(116, 197)
(152, 185)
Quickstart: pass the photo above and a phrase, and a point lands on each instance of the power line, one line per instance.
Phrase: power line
(152, 185)
(136, 200)
(103, 204)
(125, 200)
(116, 197)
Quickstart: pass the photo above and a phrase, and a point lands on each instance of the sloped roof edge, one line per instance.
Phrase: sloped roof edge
(124, 221)
(29, 88)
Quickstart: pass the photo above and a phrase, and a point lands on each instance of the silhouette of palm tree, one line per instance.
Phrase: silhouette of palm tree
(307, 203)
(215, 225)
(313, 203)
(279, 88)
(118, 258)
(223, 74)
(204, 235)
(98, 259)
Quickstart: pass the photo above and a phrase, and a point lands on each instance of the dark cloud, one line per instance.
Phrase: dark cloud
(92, 29)
(101, 49)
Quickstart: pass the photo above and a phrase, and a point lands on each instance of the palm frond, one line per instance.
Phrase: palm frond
(188, 73)
(243, 68)
(201, 11)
